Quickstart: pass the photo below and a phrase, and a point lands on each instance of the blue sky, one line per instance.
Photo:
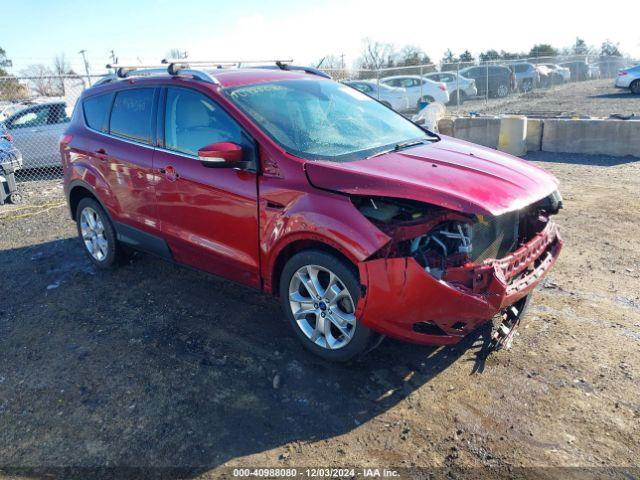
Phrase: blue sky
(34, 31)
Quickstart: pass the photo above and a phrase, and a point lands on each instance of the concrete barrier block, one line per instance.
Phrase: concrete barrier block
(481, 130)
(445, 126)
(598, 137)
(534, 135)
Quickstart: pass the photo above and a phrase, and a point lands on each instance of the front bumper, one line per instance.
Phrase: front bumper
(403, 301)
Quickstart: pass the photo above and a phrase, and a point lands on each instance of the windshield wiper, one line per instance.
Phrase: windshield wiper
(398, 146)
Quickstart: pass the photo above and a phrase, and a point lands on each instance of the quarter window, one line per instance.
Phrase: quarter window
(96, 109)
(193, 121)
(131, 114)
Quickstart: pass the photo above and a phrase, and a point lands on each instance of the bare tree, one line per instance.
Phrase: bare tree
(375, 55)
(61, 68)
(177, 53)
(41, 79)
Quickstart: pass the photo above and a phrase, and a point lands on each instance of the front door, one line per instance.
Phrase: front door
(208, 216)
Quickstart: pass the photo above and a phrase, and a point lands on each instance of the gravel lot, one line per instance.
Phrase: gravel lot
(177, 374)
(594, 98)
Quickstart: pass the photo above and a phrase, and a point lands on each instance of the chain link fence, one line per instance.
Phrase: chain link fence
(474, 86)
(35, 111)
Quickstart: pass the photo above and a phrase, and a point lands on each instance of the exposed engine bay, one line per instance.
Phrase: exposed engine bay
(441, 239)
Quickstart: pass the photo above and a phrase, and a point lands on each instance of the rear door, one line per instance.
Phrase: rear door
(125, 157)
(209, 216)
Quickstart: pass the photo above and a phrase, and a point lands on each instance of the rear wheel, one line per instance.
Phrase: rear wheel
(635, 87)
(319, 293)
(97, 234)
(502, 90)
(527, 86)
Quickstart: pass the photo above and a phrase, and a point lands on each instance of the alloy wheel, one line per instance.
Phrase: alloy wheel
(322, 307)
(93, 234)
(502, 91)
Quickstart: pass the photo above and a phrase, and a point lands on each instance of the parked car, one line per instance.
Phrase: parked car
(579, 70)
(453, 82)
(36, 130)
(395, 98)
(501, 80)
(629, 78)
(419, 89)
(360, 221)
(562, 72)
(527, 76)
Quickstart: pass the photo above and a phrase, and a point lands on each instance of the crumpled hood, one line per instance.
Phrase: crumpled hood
(450, 173)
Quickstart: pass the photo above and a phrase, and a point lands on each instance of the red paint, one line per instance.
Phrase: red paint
(242, 225)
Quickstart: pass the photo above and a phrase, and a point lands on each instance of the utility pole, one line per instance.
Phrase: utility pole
(342, 60)
(86, 64)
(114, 59)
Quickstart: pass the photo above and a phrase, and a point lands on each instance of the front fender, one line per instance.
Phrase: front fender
(327, 218)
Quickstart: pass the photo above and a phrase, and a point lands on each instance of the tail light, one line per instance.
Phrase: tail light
(442, 87)
(8, 136)
(620, 74)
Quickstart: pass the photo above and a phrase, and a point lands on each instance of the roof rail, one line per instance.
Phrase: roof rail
(127, 71)
(220, 63)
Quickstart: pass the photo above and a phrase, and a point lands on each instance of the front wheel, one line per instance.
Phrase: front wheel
(635, 87)
(502, 91)
(319, 293)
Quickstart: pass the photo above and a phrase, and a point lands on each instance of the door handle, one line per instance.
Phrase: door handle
(101, 154)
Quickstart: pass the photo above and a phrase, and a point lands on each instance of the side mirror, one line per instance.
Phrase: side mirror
(221, 155)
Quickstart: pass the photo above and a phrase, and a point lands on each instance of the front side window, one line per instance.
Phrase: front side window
(193, 121)
(324, 120)
(131, 114)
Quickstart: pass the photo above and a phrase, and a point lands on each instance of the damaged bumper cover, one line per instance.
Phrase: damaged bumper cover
(401, 300)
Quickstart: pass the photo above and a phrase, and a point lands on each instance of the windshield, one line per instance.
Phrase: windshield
(324, 120)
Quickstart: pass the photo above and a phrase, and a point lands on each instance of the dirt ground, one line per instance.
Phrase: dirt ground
(594, 98)
(154, 370)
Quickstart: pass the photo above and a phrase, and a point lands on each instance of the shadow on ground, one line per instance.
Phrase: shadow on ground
(154, 365)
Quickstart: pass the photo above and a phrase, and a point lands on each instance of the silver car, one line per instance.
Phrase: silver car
(395, 98)
(453, 81)
(36, 131)
(629, 78)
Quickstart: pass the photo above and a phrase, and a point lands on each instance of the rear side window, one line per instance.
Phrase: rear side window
(95, 111)
(131, 114)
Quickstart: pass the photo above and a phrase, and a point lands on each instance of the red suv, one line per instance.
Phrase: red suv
(361, 222)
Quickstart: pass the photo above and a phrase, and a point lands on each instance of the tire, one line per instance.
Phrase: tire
(453, 98)
(635, 87)
(97, 234)
(328, 329)
(527, 86)
(502, 90)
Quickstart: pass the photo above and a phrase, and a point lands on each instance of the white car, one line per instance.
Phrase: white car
(629, 78)
(36, 131)
(419, 89)
(453, 81)
(563, 72)
(395, 98)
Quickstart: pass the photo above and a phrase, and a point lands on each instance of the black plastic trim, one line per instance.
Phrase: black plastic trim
(141, 240)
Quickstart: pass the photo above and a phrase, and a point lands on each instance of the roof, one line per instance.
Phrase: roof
(249, 76)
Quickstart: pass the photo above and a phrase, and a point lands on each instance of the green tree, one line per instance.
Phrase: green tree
(580, 47)
(543, 50)
(466, 57)
(10, 88)
(609, 49)
(489, 55)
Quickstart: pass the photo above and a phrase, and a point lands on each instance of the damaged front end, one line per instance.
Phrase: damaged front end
(443, 273)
